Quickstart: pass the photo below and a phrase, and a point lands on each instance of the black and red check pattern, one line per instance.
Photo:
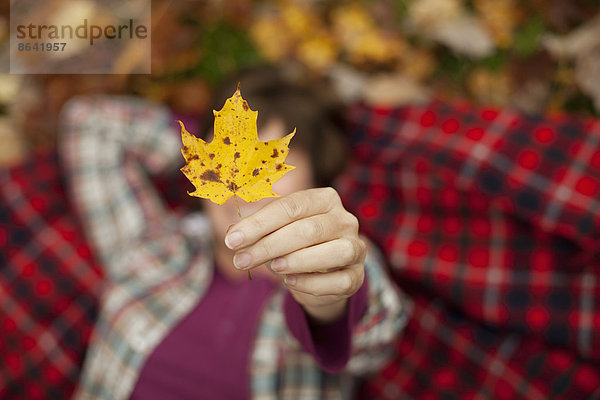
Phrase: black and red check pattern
(491, 222)
(49, 283)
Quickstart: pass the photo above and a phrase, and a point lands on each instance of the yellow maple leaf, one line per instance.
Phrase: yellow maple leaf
(236, 162)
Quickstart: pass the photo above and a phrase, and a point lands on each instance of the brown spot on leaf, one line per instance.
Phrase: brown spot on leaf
(256, 148)
(268, 179)
(256, 172)
(210, 175)
(232, 186)
(264, 161)
(275, 153)
(195, 157)
(245, 105)
(211, 156)
(278, 167)
(226, 140)
(236, 155)
(219, 165)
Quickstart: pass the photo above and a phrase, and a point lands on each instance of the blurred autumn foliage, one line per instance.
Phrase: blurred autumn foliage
(534, 55)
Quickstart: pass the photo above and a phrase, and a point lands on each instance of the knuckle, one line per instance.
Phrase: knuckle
(291, 206)
(331, 195)
(353, 250)
(257, 226)
(346, 220)
(313, 230)
(362, 249)
(330, 192)
(352, 222)
(360, 277)
(347, 284)
(267, 249)
(348, 250)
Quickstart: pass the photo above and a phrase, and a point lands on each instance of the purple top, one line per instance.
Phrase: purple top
(207, 354)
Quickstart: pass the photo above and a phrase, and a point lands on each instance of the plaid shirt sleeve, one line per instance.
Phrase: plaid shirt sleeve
(388, 310)
(157, 270)
(105, 143)
(490, 220)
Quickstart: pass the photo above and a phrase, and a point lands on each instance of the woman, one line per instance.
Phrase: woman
(177, 320)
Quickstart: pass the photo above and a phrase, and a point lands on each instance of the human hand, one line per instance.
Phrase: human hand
(310, 239)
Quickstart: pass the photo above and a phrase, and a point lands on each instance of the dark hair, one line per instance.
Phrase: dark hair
(308, 106)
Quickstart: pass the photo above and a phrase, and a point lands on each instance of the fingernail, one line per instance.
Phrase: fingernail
(242, 260)
(234, 239)
(278, 265)
(290, 280)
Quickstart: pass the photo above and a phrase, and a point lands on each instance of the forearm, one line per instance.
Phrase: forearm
(329, 343)
(102, 142)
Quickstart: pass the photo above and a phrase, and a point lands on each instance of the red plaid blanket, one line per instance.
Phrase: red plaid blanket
(49, 284)
(491, 222)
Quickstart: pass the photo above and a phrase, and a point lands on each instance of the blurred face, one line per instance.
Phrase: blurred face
(222, 216)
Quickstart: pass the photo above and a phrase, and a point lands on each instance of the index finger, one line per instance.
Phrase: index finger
(279, 213)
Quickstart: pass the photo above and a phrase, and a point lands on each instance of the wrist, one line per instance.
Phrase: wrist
(326, 313)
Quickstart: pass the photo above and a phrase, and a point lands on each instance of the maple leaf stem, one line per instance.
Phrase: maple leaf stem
(237, 206)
